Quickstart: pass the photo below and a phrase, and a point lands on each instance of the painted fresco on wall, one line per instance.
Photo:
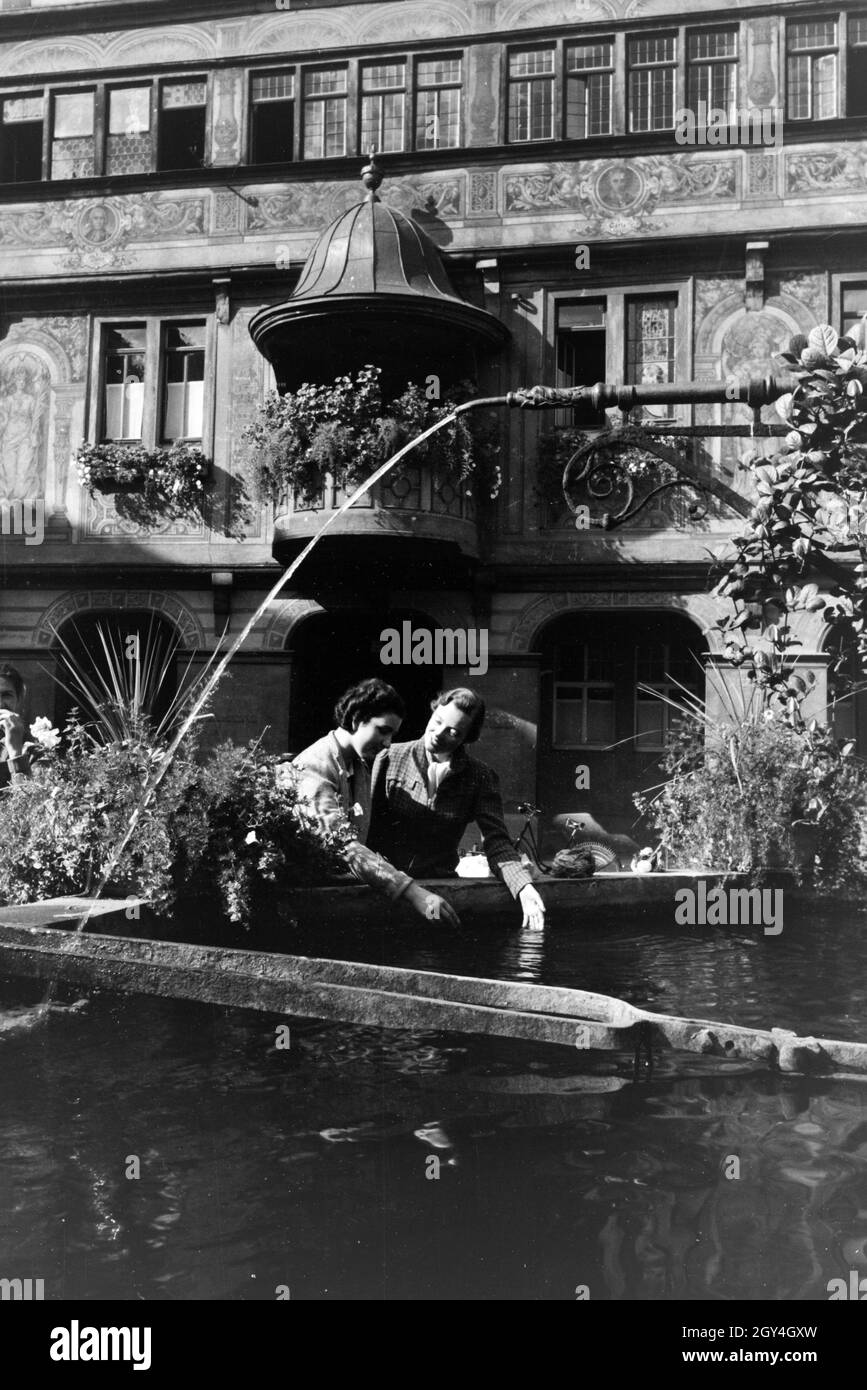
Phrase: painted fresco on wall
(24, 401)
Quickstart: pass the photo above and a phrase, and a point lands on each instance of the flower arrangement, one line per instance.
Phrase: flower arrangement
(345, 429)
(172, 480)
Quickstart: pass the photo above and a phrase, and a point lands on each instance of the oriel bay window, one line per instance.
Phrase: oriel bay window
(152, 381)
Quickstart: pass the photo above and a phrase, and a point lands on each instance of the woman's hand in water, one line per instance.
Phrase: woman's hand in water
(534, 908)
(432, 906)
(14, 732)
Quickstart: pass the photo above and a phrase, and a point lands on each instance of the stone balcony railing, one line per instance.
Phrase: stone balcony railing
(418, 520)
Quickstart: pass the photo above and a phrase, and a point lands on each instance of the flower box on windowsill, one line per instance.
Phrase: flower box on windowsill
(171, 479)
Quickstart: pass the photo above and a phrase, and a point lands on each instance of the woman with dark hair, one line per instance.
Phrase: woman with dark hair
(14, 762)
(335, 782)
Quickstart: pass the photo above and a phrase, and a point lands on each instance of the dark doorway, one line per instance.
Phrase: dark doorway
(332, 651)
(157, 644)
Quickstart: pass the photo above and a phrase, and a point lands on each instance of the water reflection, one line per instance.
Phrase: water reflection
(310, 1166)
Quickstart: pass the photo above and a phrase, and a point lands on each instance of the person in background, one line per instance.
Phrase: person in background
(426, 793)
(14, 761)
(335, 783)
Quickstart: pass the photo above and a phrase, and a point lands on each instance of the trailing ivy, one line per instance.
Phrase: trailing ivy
(344, 430)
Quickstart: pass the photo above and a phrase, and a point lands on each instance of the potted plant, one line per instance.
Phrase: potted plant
(171, 479)
(344, 429)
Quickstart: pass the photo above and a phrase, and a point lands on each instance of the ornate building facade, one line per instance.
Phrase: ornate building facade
(166, 171)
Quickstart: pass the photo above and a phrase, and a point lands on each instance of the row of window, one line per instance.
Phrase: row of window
(558, 89)
(153, 373)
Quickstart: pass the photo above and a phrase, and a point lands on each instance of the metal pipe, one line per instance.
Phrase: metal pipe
(756, 391)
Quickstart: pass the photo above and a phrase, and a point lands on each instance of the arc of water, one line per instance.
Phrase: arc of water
(153, 781)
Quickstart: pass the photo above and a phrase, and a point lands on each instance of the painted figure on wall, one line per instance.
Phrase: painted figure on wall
(24, 396)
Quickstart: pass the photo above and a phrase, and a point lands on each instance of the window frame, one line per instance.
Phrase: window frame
(152, 430)
(101, 88)
(614, 297)
(675, 65)
(416, 89)
(585, 685)
(839, 49)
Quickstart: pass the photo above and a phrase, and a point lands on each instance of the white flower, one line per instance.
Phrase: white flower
(43, 732)
(252, 838)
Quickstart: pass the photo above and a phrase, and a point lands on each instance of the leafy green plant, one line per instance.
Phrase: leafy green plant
(62, 824)
(344, 429)
(811, 503)
(171, 480)
(757, 789)
(247, 837)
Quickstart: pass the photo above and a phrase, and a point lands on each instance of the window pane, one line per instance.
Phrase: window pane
(857, 29)
(649, 722)
(798, 87)
(128, 148)
(854, 305)
(567, 722)
(176, 94)
(185, 335)
(713, 43)
(600, 716)
(273, 86)
(23, 109)
(825, 79)
(660, 48)
(73, 115)
(588, 106)
(650, 340)
(438, 71)
(438, 119)
(320, 83)
(588, 55)
(383, 76)
(129, 110)
(529, 63)
(815, 33)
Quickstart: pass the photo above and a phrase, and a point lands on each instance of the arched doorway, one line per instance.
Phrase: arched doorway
(600, 737)
(123, 632)
(333, 650)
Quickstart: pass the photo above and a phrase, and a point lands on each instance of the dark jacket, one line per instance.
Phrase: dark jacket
(420, 834)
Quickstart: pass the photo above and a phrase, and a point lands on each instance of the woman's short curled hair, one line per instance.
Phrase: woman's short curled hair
(469, 703)
(14, 677)
(365, 701)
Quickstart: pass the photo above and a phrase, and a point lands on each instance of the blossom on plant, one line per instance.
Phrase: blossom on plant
(43, 732)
